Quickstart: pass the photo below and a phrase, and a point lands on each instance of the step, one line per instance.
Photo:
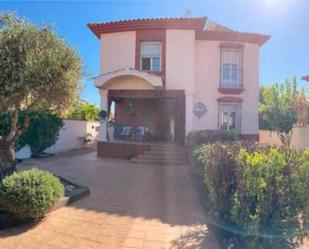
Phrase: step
(162, 156)
(173, 146)
(139, 161)
(165, 152)
(159, 160)
(164, 149)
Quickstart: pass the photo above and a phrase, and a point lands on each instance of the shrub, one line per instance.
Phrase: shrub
(220, 177)
(84, 111)
(271, 201)
(43, 131)
(258, 195)
(29, 194)
(196, 138)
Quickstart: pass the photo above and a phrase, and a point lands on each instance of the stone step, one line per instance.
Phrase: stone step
(167, 146)
(160, 159)
(167, 150)
(160, 162)
(162, 156)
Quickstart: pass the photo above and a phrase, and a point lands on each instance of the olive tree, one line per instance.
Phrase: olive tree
(38, 71)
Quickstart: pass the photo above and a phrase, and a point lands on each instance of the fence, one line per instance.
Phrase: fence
(71, 136)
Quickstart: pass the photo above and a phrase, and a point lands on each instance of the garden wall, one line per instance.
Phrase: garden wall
(71, 136)
(300, 138)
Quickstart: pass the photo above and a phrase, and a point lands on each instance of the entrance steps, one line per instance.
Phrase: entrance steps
(163, 154)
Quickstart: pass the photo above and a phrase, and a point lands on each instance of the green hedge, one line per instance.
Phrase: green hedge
(258, 195)
(30, 194)
(41, 133)
(197, 138)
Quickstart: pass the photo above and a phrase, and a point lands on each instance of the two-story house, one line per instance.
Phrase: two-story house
(166, 77)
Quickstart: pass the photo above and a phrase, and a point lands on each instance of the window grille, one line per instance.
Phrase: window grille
(151, 56)
(231, 68)
(230, 116)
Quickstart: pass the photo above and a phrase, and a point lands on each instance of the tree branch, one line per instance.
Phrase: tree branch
(14, 126)
(24, 127)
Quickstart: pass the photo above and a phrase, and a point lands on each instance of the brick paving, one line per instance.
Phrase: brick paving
(133, 206)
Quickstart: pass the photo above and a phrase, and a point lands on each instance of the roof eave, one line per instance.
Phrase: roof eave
(131, 25)
(233, 36)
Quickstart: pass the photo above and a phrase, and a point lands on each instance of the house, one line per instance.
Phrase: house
(306, 78)
(166, 77)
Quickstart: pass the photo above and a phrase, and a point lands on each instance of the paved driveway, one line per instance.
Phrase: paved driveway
(130, 206)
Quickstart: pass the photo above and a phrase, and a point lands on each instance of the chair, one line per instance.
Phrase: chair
(126, 131)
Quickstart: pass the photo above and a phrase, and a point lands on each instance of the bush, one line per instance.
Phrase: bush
(259, 195)
(197, 138)
(43, 131)
(271, 202)
(29, 194)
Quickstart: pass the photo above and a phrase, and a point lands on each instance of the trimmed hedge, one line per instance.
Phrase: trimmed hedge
(30, 194)
(197, 138)
(258, 195)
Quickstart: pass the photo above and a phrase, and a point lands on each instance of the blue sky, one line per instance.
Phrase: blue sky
(286, 54)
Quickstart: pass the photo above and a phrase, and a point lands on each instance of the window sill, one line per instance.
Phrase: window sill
(226, 90)
(159, 73)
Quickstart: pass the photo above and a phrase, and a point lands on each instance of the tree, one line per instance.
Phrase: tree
(281, 107)
(38, 71)
(84, 111)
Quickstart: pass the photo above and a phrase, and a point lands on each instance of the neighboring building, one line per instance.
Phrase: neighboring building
(164, 73)
(306, 78)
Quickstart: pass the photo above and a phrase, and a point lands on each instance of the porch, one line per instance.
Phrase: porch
(147, 115)
(140, 118)
(138, 111)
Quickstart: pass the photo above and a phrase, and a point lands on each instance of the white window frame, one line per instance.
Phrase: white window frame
(228, 107)
(231, 57)
(151, 57)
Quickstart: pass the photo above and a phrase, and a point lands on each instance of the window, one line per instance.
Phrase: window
(151, 56)
(230, 116)
(231, 68)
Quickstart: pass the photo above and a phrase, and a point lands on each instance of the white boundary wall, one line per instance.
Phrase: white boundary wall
(300, 137)
(71, 137)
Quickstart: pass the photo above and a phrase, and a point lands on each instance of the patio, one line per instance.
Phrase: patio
(130, 206)
(148, 115)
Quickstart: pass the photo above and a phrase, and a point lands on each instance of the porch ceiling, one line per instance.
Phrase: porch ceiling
(103, 80)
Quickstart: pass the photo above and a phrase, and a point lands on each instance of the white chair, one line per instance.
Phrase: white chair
(126, 131)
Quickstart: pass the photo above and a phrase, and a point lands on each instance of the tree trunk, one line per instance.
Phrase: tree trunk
(7, 158)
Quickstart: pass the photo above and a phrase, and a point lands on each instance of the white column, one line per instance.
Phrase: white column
(189, 113)
(103, 123)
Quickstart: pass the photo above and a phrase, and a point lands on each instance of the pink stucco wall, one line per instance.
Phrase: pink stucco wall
(180, 67)
(117, 51)
(207, 83)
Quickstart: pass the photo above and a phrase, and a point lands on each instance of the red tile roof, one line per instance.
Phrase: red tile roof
(213, 31)
(233, 36)
(197, 23)
(306, 78)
